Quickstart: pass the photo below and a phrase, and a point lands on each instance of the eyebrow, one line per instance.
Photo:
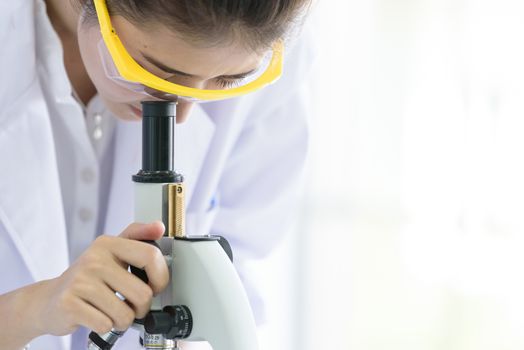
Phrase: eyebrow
(167, 69)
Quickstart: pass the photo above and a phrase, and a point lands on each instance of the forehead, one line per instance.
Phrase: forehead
(171, 49)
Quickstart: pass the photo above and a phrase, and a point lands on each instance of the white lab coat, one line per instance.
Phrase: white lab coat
(242, 160)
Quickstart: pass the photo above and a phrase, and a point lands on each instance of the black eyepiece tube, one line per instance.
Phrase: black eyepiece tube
(158, 143)
(158, 135)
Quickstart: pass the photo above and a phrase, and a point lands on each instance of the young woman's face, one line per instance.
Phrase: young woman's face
(157, 50)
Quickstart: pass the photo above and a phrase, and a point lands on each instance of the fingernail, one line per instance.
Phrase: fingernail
(159, 222)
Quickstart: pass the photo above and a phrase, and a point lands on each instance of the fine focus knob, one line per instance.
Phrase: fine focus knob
(174, 322)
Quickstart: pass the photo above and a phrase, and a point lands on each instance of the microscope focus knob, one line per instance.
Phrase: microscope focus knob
(174, 322)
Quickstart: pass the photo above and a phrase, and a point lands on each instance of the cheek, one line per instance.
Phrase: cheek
(183, 110)
(110, 91)
(121, 110)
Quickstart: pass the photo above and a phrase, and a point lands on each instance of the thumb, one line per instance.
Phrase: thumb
(144, 232)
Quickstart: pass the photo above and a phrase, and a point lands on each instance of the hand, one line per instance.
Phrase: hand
(84, 295)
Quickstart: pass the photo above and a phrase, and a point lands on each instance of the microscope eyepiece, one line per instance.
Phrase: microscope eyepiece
(158, 143)
(158, 109)
(158, 135)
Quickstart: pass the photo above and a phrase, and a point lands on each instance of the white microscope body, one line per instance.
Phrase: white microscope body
(205, 300)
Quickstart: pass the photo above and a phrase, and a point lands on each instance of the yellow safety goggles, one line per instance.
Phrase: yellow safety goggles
(120, 66)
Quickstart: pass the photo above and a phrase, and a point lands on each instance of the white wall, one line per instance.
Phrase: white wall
(411, 234)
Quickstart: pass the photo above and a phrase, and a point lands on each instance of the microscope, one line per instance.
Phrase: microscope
(205, 299)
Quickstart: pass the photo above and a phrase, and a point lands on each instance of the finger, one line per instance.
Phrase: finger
(92, 318)
(105, 300)
(137, 293)
(141, 255)
(139, 231)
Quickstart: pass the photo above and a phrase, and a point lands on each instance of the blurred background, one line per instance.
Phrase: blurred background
(411, 232)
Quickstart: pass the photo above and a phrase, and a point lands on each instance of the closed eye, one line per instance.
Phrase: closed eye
(228, 83)
(175, 72)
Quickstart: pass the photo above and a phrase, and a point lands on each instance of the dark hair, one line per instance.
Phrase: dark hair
(257, 23)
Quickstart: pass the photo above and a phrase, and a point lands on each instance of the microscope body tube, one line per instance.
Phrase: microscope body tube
(149, 208)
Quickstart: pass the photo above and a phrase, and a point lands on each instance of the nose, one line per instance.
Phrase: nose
(183, 109)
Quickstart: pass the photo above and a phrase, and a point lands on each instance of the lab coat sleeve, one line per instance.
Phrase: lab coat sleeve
(261, 182)
(263, 177)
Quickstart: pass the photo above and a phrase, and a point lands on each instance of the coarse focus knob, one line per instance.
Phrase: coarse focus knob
(174, 322)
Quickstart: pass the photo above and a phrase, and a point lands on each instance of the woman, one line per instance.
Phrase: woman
(68, 149)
